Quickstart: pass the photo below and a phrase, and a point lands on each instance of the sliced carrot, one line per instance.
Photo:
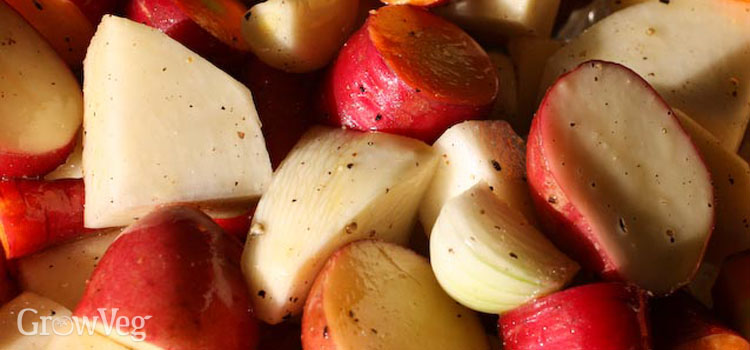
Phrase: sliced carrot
(433, 55)
(221, 18)
(61, 23)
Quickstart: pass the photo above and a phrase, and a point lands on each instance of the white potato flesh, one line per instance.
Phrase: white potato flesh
(529, 55)
(629, 168)
(693, 52)
(335, 187)
(299, 35)
(393, 291)
(490, 258)
(83, 341)
(60, 273)
(41, 106)
(11, 337)
(494, 19)
(474, 152)
(163, 125)
(72, 168)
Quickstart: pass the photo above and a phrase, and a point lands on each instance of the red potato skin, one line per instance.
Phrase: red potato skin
(36, 214)
(283, 101)
(731, 293)
(681, 322)
(564, 224)
(166, 16)
(556, 213)
(17, 165)
(62, 24)
(178, 266)
(608, 316)
(362, 92)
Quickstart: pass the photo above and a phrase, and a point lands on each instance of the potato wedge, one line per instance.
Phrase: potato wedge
(299, 35)
(163, 126)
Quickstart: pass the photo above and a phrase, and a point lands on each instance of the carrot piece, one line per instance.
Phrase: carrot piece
(433, 55)
(37, 214)
(222, 18)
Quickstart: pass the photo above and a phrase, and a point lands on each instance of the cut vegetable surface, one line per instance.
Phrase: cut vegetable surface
(60, 273)
(693, 52)
(474, 152)
(61, 23)
(177, 266)
(491, 259)
(171, 19)
(222, 18)
(608, 316)
(731, 180)
(374, 295)
(335, 187)
(409, 72)
(282, 34)
(37, 214)
(36, 307)
(72, 168)
(616, 179)
(191, 136)
(40, 101)
(492, 20)
(84, 341)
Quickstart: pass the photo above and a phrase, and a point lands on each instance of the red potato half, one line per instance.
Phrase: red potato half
(617, 182)
(168, 17)
(37, 214)
(732, 293)
(62, 23)
(375, 295)
(177, 266)
(682, 323)
(409, 72)
(608, 316)
(41, 105)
